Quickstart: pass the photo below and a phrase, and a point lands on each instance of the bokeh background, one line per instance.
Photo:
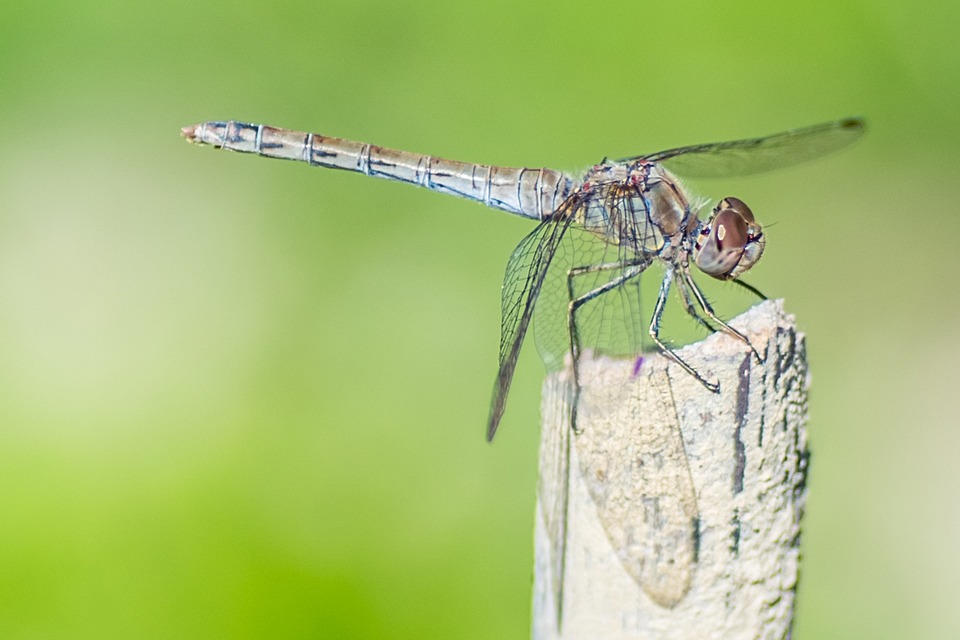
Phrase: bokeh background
(245, 398)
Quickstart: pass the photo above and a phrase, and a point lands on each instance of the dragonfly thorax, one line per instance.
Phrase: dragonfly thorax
(642, 207)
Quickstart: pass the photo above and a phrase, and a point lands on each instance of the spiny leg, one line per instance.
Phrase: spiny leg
(689, 308)
(687, 281)
(655, 333)
(630, 269)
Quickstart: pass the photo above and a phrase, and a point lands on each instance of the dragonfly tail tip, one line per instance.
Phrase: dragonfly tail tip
(190, 133)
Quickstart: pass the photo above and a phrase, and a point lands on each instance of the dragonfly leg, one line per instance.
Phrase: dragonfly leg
(692, 311)
(687, 281)
(655, 334)
(630, 270)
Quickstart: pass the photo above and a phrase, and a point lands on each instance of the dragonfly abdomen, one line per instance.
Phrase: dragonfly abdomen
(531, 193)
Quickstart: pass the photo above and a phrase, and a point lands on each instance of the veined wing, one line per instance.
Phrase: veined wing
(612, 323)
(526, 270)
(755, 155)
(536, 284)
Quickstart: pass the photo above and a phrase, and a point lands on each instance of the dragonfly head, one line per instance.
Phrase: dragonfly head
(730, 242)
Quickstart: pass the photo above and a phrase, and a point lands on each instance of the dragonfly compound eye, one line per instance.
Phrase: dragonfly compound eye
(739, 206)
(731, 241)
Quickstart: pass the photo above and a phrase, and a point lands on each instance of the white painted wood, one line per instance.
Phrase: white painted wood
(680, 516)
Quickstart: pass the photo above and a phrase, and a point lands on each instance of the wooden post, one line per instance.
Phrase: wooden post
(676, 511)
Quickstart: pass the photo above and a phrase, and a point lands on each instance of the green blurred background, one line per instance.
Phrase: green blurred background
(244, 398)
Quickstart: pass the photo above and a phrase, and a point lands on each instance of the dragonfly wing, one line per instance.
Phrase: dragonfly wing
(755, 155)
(612, 323)
(526, 270)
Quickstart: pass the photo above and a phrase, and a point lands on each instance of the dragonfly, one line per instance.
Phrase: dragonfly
(579, 270)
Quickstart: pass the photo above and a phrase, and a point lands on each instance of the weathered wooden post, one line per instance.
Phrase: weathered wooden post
(675, 512)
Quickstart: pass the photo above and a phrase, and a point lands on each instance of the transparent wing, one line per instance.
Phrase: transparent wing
(606, 265)
(526, 271)
(754, 155)
(536, 283)
(612, 323)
